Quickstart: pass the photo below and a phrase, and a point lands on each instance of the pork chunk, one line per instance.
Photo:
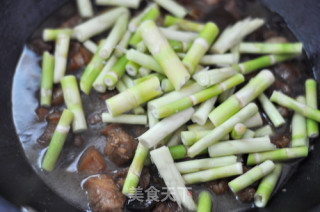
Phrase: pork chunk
(42, 112)
(246, 195)
(91, 162)
(57, 97)
(103, 194)
(219, 187)
(144, 180)
(78, 56)
(281, 140)
(52, 119)
(120, 146)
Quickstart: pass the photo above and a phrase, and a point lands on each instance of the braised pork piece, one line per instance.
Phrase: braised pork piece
(91, 162)
(103, 194)
(120, 146)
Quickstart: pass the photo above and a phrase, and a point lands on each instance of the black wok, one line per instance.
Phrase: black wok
(21, 186)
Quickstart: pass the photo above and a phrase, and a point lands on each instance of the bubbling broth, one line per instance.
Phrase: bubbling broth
(65, 179)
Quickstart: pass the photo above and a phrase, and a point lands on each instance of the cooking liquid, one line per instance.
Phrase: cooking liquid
(64, 179)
